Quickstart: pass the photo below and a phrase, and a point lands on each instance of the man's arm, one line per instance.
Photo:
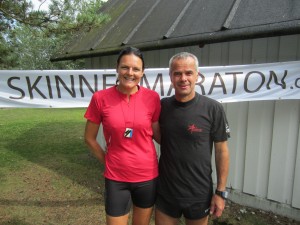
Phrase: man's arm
(222, 167)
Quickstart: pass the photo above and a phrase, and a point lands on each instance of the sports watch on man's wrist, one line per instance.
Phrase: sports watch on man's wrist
(222, 194)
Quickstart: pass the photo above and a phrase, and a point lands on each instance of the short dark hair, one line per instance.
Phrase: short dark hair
(131, 50)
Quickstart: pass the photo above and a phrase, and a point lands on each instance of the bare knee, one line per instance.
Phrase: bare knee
(117, 220)
(141, 216)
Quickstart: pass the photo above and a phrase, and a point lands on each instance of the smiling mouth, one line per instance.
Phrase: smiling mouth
(129, 79)
(183, 86)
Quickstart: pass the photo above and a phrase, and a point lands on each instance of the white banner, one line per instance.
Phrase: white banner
(74, 88)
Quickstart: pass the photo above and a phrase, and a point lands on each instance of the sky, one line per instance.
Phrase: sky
(37, 3)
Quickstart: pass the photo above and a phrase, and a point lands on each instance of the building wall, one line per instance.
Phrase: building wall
(264, 144)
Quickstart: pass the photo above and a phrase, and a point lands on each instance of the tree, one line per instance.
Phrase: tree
(32, 50)
(12, 11)
(30, 37)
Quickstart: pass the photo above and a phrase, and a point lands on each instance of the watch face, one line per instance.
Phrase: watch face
(225, 194)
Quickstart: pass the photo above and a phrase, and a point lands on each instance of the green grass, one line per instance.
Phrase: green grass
(48, 176)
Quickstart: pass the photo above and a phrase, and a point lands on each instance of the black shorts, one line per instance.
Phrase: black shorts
(191, 210)
(119, 196)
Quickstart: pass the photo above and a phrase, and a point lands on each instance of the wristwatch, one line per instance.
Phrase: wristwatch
(223, 194)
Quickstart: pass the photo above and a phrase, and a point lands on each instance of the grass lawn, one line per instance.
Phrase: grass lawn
(47, 175)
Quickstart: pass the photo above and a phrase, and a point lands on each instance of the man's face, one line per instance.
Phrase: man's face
(184, 76)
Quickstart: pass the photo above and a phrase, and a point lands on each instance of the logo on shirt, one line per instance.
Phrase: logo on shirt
(206, 210)
(227, 130)
(193, 128)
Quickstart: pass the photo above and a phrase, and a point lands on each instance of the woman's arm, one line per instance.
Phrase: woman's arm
(156, 132)
(90, 136)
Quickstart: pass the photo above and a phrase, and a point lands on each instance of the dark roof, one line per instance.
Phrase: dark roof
(161, 24)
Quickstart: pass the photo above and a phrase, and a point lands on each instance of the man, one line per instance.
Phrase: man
(191, 125)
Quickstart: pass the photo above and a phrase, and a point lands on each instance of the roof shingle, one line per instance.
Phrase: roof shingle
(160, 24)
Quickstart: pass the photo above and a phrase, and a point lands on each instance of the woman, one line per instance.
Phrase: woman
(129, 114)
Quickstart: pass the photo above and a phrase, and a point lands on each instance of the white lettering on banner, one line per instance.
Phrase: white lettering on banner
(74, 88)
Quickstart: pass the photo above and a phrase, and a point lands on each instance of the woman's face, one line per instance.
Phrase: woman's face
(130, 71)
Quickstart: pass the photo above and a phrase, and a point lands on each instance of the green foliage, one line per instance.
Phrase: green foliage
(32, 50)
(30, 37)
(12, 11)
(6, 58)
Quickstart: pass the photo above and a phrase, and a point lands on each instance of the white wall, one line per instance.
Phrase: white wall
(265, 146)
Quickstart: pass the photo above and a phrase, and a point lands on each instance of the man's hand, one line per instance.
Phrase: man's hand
(217, 206)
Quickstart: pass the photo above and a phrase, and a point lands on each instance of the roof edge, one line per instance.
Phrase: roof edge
(268, 30)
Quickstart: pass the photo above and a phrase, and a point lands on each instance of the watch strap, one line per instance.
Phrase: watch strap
(222, 194)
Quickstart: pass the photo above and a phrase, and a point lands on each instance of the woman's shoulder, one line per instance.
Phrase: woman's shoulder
(105, 92)
(148, 92)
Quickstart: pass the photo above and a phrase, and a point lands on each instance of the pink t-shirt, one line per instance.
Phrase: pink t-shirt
(128, 159)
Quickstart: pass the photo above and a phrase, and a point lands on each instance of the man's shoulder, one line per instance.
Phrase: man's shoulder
(167, 100)
(208, 100)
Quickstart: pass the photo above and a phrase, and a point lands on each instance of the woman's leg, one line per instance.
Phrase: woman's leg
(118, 220)
(141, 216)
(117, 202)
(143, 197)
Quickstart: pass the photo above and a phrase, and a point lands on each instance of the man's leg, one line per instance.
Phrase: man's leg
(202, 221)
(163, 219)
